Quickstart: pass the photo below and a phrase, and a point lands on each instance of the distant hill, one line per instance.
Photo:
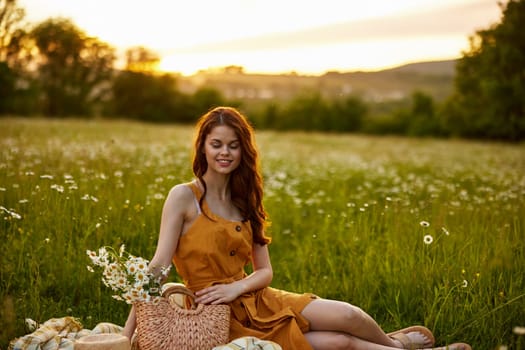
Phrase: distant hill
(434, 78)
(428, 68)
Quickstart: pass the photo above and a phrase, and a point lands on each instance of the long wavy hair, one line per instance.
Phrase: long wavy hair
(246, 184)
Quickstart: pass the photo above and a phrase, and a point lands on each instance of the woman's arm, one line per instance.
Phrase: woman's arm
(174, 214)
(260, 277)
(179, 208)
(262, 274)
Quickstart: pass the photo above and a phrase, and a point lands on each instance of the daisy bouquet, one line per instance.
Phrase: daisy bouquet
(129, 276)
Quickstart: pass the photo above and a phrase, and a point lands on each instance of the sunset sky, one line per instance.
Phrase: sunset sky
(278, 36)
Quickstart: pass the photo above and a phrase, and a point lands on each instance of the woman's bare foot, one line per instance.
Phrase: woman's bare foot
(412, 340)
(455, 346)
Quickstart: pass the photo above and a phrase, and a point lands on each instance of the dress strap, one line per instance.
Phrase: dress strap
(196, 195)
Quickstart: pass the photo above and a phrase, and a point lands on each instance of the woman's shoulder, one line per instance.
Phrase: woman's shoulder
(180, 204)
(181, 193)
(182, 189)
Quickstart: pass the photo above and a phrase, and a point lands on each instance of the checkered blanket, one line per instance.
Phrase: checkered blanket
(249, 343)
(58, 334)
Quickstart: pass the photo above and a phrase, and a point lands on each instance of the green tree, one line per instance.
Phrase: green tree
(149, 97)
(307, 111)
(421, 119)
(158, 98)
(15, 52)
(348, 114)
(206, 98)
(268, 117)
(7, 87)
(141, 59)
(11, 17)
(74, 69)
(489, 97)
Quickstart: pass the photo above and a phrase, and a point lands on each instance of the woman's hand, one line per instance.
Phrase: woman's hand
(219, 294)
(259, 278)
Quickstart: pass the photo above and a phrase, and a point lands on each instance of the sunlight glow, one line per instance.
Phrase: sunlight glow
(314, 60)
(275, 36)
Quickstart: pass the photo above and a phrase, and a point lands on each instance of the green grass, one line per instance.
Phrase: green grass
(346, 214)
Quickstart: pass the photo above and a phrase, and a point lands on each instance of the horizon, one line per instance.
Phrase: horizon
(221, 69)
(322, 37)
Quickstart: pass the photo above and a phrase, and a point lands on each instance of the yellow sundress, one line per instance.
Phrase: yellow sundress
(216, 251)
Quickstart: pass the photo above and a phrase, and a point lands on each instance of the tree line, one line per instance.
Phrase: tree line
(55, 69)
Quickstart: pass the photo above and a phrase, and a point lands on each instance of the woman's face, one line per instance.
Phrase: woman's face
(222, 149)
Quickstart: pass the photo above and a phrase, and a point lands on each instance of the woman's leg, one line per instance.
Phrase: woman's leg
(337, 316)
(322, 340)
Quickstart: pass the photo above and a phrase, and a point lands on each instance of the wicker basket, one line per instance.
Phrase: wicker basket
(165, 325)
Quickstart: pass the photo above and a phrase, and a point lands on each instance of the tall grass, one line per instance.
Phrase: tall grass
(413, 231)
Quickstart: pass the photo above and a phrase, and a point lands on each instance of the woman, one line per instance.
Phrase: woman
(214, 226)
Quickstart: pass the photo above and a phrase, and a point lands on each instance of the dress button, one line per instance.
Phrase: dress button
(238, 228)
(232, 253)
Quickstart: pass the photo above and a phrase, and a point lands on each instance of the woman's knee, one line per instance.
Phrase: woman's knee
(342, 341)
(330, 315)
(353, 314)
(331, 341)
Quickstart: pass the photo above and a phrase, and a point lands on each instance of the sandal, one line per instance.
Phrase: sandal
(409, 343)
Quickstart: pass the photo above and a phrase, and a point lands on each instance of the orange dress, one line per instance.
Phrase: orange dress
(215, 252)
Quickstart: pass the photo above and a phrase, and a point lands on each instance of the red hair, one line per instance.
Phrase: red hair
(246, 183)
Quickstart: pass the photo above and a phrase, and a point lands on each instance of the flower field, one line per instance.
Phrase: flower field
(414, 231)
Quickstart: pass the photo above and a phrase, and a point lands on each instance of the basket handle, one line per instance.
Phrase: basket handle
(179, 289)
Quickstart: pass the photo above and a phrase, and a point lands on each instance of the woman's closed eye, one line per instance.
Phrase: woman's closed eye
(233, 145)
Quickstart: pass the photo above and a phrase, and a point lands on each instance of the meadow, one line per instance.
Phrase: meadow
(414, 231)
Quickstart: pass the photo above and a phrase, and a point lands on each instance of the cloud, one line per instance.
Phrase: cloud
(456, 20)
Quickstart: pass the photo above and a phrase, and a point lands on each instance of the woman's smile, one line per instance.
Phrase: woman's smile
(224, 162)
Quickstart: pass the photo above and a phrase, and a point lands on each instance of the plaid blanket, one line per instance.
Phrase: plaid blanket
(249, 343)
(58, 334)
